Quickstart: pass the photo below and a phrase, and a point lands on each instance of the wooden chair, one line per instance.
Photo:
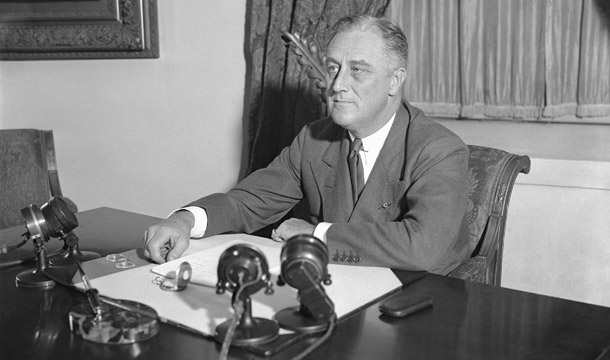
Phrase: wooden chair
(28, 173)
(492, 176)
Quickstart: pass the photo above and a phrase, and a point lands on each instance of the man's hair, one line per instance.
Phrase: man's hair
(393, 37)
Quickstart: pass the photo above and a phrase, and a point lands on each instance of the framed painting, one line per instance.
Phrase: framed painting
(82, 29)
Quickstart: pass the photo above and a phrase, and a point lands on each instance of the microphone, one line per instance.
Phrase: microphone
(243, 270)
(59, 215)
(52, 219)
(304, 266)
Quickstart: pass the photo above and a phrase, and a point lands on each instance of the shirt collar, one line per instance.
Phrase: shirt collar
(374, 142)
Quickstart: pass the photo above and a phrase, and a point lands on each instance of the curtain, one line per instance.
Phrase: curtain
(433, 86)
(511, 60)
(281, 96)
(594, 99)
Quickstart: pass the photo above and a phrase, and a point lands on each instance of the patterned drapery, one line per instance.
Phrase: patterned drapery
(281, 97)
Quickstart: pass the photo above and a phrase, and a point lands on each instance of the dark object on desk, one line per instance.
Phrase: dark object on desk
(107, 324)
(304, 266)
(399, 304)
(492, 176)
(402, 304)
(116, 325)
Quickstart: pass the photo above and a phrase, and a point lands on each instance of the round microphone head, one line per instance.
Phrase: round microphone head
(52, 219)
(59, 217)
(304, 253)
(241, 264)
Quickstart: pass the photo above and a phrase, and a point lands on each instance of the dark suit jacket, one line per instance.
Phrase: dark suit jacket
(410, 215)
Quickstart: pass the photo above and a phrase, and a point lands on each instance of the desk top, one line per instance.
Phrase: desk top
(467, 321)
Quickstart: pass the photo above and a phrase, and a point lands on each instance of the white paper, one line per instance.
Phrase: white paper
(204, 263)
(202, 310)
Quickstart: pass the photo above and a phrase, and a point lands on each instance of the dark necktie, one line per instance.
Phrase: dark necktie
(356, 170)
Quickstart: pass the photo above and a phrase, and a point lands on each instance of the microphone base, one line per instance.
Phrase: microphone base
(34, 279)
(264, 330)
(293, 319)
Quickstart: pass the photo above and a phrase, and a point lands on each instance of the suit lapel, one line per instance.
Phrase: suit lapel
(385, 183)
(332, 177)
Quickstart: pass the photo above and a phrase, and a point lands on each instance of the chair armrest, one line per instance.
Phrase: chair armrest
(473, 269)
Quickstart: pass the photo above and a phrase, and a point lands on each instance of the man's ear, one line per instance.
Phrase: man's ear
(398, 79)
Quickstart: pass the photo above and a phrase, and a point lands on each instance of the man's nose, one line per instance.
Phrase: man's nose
(340, 82)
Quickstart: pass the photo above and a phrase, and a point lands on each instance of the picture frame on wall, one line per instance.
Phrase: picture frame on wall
(82, 29)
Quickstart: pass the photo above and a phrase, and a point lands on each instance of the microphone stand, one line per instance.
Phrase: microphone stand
(315, 309)
(36, 277)
(70, 253)
(249, 330)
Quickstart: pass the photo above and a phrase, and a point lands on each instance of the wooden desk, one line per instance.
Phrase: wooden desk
(467, 321)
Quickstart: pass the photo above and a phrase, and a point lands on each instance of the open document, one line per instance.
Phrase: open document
(200, 309)
(205, 262)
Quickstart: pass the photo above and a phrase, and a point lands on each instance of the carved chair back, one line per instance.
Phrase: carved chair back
(492, 176)
(28, 172)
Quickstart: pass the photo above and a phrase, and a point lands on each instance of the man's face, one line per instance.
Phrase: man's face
(360, 81)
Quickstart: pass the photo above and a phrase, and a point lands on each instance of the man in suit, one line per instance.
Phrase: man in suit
(402, 204)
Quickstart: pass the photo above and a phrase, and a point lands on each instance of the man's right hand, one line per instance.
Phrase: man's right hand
(168, 239)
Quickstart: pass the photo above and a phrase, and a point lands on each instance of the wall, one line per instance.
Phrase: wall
(143, 135)
(557, 239)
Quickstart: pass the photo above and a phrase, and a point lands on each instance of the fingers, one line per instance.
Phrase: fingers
(164, 243)
(154, 244)
(275, 236)
(179, 248)
(145, 238)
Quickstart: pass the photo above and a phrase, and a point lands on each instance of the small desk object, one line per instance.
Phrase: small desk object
(467, 320)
